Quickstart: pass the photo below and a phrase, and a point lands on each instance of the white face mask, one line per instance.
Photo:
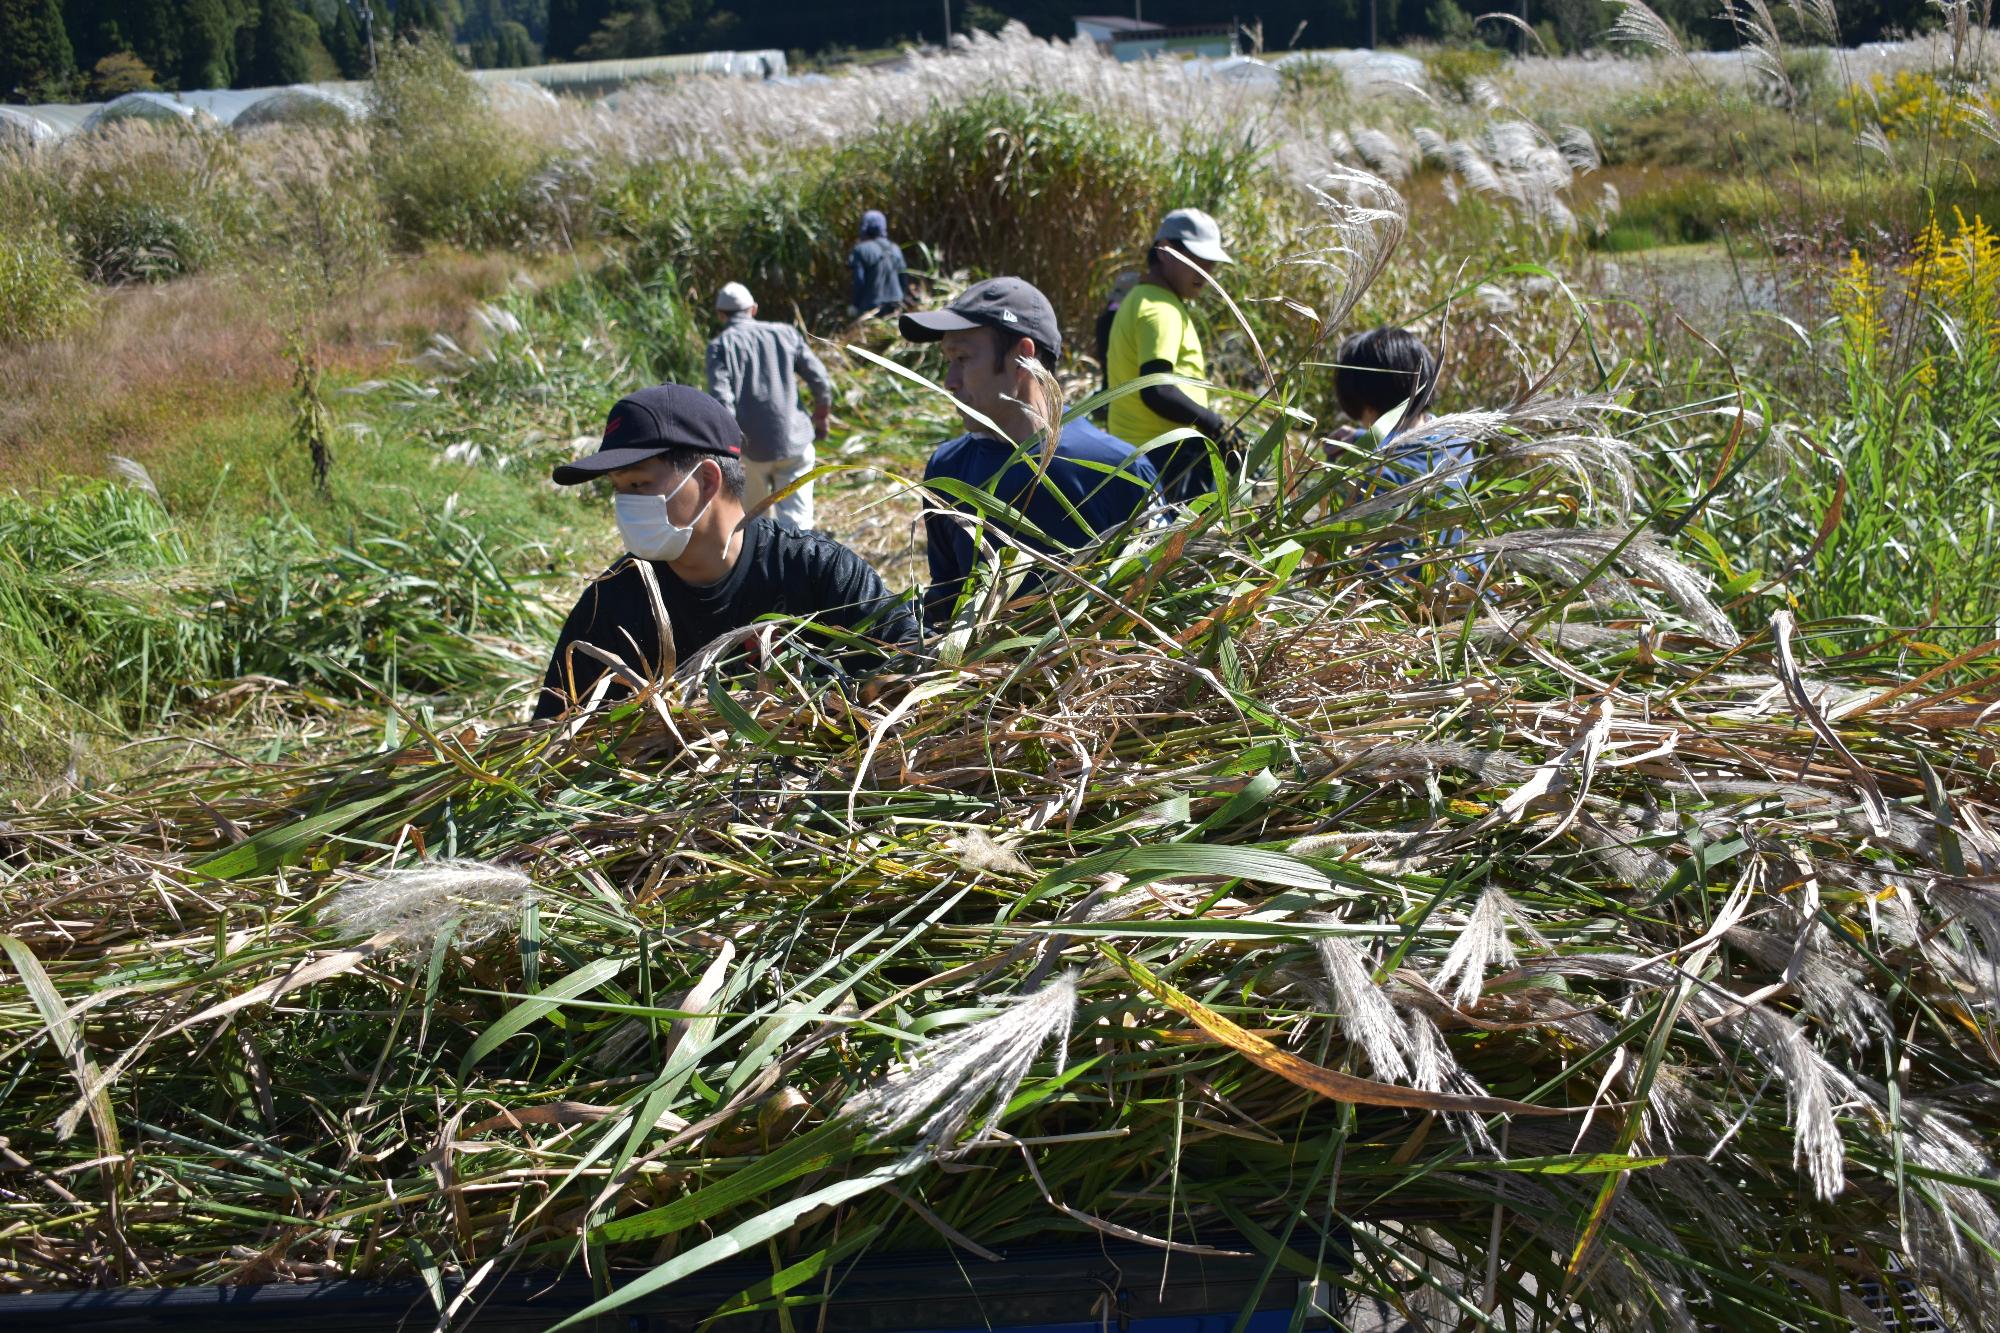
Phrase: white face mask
(648, 532)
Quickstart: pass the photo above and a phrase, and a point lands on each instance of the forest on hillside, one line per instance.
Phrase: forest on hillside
(62, 50)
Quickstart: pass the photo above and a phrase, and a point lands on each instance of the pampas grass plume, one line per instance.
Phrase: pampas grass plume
(472, 900)
(944, 1084)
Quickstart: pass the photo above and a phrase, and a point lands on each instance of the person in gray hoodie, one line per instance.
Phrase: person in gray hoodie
(754, 368)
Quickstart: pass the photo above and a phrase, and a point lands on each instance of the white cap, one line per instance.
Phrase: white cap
(733, 297)
(1195, 232)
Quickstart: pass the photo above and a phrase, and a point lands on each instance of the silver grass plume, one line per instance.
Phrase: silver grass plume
(1433, 1068)
(1831, 991)
(1601, 465)
(1366, 218)
(1638, 24)
(1810, 1086)
(1570, 554)
(1366, 1015)
(469, 900)
(1762, 46)
(1975, 908)
(944, 1084)
(1819, 14)
(1579, 149)
(1482, 942)
(1431, 146)
(1948, 1212)
(1384, 156)
(1472, 168)
(132, 473)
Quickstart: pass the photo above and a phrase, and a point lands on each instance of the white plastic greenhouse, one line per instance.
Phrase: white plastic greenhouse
(334, 103)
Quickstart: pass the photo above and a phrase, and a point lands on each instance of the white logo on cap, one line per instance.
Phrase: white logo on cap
(1008, 315)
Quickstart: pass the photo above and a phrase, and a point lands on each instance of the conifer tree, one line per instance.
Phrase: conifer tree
(36, 60)
(278, 50)
(345, 43)
(208, 44)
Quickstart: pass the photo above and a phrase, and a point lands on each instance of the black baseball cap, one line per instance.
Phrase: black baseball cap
(648, 423)
(1011, 305)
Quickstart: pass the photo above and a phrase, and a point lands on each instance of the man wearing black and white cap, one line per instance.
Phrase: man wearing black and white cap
(673, 456)
(995, 337)
(754, 369)
(1153, 333)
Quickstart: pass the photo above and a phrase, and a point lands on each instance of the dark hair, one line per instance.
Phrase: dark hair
(685, 461)
(1381, 368)
(1003, 347)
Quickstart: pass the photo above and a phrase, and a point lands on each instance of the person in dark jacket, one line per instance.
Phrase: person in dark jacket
(674, 456)
(994, 338)
(877, 265)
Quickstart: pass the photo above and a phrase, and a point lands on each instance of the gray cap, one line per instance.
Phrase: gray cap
(1011, 305)
(733, 297)
(1195, 232)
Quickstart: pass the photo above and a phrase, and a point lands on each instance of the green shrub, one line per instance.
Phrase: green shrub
(1313, 80)
(41, 293)
(1456, 71)
(113, 612)
(147, 202)
(1682, 212)
(1809, 74)
(1686, 125)
(447, 168)
(1015, 182)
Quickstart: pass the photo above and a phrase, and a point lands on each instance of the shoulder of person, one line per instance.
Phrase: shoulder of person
(1086, 438)
(950, 458)
(1155, 305)
(613, 578)
(805, 549)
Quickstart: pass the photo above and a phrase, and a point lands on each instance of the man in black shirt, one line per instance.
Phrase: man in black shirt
(674, 455)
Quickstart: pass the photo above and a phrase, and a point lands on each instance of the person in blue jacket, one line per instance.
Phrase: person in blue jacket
(876, 263)
(993, 337)
(1388, 370)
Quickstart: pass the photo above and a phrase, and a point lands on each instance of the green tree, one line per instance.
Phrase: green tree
(280, 50)
(343, 39)
(208, 45)
(626, 35)
(513, 46)
(506, 46)
(694, 25)
(37, 62)
(152, 30)
(571, 24)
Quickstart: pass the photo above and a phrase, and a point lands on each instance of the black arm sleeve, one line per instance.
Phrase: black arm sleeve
(612, 612)
(571, 674)
(858, 600)
(1170, 402)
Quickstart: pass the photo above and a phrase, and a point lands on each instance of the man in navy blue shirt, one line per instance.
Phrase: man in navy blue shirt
(1001, 346)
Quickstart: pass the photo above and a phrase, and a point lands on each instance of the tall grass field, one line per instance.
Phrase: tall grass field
(1587, 916)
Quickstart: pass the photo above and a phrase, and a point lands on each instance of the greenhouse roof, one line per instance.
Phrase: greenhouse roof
(262, 106)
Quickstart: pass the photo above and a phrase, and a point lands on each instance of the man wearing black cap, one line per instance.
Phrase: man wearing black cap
(995, 338)
(674, 456)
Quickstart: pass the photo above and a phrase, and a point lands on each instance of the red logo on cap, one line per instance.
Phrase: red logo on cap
(611, 426)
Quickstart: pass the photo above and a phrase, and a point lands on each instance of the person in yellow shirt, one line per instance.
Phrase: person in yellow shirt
(1152, 333)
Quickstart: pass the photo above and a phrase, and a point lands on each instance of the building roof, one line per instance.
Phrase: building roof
(1118, 23)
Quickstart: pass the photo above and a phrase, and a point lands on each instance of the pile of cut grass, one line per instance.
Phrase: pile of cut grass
(1238, 895)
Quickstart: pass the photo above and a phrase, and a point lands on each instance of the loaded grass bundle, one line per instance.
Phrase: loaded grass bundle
(1561, 950)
